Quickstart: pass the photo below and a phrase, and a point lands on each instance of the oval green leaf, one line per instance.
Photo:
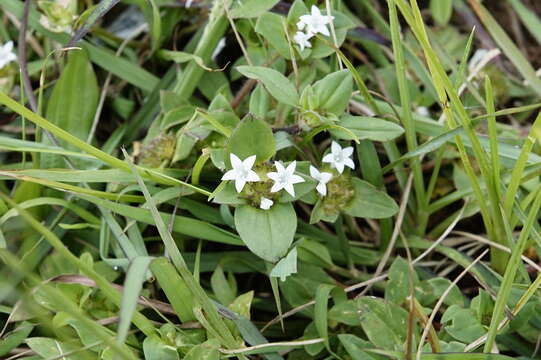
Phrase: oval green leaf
(252, 137)
(276, 83)
(370, 203)
(367, 128)
(267, 233)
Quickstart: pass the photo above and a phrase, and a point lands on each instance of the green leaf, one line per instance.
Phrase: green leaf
(155, 348)
(205, 351)
(367, 128)
(175, 289)
(270, 27)
(355, 346)
(259, 102)
(51, 348)
(252, 8)
(320, 311)
(133, 284)
(313, 252)
(276, 83)
(15, 338)
(399, 286)
(462, 324)
(286, 266)
(252, 137)
(267, 233)
(384, 323)
(370, 202)
(221, 287)
(334, 91)
(441, 11)
(72, 104)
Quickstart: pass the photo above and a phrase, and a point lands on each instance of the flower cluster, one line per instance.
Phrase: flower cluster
(6, 54)
(284, 177)
(310, 25)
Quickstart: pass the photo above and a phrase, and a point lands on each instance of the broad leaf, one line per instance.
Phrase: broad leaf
(277, 84)
(251, 137)
(370, 202)
(369, 128)
(267, 233)
(72, 104)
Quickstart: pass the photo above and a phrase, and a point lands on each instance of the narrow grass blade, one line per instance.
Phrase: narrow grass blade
(135, 277)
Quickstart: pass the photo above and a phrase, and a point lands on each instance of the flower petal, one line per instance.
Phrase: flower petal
(335, 148)
(329, 158)
(321, 188)
(314, 172)
(249, 161)
(276, 187)
(323, 30)
(325, 177)
(230, 175)
(349, 163)
(347, 151)
(315, 11)
(252, 176)
(273, 175)
(295, 179)
(290, 189)
(235, 161)
(239, 184)
(278, 165)
(339, 166)
(291, 168)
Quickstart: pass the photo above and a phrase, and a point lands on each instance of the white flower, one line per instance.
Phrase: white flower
(265, 203)
(338, 157)
(303, 39)
(242, 171)
(322, 178)
(315, 22)
(188, 3)
(284, 178)
(6, 54)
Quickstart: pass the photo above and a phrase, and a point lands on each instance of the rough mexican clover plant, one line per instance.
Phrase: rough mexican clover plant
(267, 172)
(273, 169)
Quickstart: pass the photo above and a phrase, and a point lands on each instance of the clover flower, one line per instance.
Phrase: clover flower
(265, 203)
(313, 23)
(284, 178)
(6, 54)
(322, 178)
(339, 158)
(242, 171)
(303, 39)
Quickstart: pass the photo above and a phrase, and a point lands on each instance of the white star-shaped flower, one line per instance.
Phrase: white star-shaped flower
(315, 22)
(338, 157)
(265, 203)
(303, 39)
(242, 171)
(322, 178)
(6, 54)
(284, 178)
